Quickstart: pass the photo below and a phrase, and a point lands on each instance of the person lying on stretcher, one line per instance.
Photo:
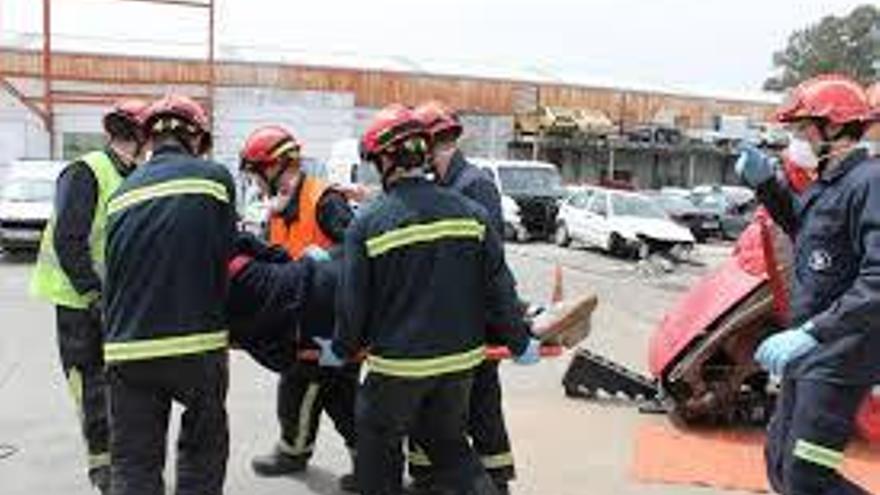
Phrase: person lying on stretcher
(275, 302)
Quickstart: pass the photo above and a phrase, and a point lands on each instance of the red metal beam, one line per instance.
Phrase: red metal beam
(181, 3)
(24, 100)
(212, 69)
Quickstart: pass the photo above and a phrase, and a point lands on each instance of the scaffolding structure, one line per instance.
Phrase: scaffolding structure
(44, 106)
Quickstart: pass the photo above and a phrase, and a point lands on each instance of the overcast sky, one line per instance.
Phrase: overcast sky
(708, 45)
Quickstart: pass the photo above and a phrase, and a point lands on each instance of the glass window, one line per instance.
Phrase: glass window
(626, 205)
(29, 190)
(76, 144)
(599, 204)
(581, 199)
(529, 180)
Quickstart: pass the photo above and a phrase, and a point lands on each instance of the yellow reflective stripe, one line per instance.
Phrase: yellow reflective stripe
(99, 460)
(420, 368)
(165, 347)
(306, 412)
(75, 384)
(418, 457)
(426, 232)
(175, 187)
(288, 449)
(497, 461)
(290, 145)
(818, 454)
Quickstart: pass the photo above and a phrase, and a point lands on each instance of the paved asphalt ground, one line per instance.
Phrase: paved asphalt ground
(562, 446)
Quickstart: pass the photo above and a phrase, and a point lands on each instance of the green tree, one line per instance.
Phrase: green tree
(847, 45)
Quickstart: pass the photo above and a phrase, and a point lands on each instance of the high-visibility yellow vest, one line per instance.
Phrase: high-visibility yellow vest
(49, 281)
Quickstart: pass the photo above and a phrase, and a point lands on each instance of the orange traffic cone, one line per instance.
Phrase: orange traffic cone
(557, 294)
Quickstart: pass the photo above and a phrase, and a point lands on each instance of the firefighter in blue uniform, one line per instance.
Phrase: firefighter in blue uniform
(420, 269)
(486, 425)
(830, 357)
(70, 271)
(308, 215)
(170, 236)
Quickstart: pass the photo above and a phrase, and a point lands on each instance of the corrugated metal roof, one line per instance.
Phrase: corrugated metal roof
(481, 69)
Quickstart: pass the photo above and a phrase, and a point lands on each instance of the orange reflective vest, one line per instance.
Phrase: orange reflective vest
(303, 231)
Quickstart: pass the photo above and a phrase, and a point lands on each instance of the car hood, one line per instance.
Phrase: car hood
(655, 228)
(548, 195)
(14, 210)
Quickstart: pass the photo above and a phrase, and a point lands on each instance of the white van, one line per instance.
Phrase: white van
(345, 166)
(530, 195)
(27, 195)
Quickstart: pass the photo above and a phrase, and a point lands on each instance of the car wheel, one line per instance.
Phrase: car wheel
(616, 245)
(562, 237)
(509, 232)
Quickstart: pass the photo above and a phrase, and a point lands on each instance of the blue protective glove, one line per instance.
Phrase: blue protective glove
(753, 166)
(780, 349)
(531, 355)
(328, 358)
(316, 253)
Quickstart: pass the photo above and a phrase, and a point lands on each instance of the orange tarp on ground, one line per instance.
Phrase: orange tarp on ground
(730, 459)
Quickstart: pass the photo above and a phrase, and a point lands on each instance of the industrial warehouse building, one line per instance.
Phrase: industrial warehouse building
(53, 109)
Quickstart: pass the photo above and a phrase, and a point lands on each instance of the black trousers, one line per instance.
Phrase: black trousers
(486, 429)
(80, 347)
(813, 423)
(141, 394)
(304, 392)
(389, 407)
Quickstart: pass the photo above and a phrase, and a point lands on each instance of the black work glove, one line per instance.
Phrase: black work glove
(248, 244)
(96, 309)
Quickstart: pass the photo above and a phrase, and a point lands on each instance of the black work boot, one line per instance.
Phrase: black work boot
(502, 488)
(100, 478)
(278, 464)
(348, 482)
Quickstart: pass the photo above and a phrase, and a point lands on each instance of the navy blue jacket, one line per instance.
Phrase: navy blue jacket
(170, 235)
(420, 269)
(837, 271)
(476, 184)
(277, 305)
(75, 204)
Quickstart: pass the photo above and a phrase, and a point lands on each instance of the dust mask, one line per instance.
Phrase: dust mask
(801, 153)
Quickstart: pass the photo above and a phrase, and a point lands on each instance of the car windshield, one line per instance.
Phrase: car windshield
(530, 180)
(715, 203)
(625, 205)
(674, 203)
(29, 190)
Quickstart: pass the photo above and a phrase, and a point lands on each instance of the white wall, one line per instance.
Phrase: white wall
(317, 119)
(21, 132)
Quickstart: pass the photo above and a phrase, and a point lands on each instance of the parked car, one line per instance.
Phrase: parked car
(702, 223)
(620, 222)
(530, 194)
(734, 207)
(26, 200)
(655, 134)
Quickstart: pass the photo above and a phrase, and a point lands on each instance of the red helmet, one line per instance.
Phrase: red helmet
(266, 145)
(174, 112)
(834, 98)
(439, 119)
(874, 101)
(126, 119)
(392, 126)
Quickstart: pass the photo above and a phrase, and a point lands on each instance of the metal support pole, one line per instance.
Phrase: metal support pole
(610, 163)
(48, 106)
(692, 159)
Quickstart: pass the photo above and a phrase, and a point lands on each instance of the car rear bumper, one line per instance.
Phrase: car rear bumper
(21, 235)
